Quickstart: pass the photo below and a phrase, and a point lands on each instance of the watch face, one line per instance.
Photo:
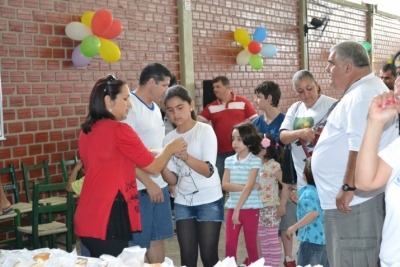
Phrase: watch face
(345, 187)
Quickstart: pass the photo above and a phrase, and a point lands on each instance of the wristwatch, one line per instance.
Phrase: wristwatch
(346, 187)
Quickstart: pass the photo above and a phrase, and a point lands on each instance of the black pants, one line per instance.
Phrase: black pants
(98, 247)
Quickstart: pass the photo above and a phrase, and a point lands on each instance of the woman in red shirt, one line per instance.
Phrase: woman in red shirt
(108, 209)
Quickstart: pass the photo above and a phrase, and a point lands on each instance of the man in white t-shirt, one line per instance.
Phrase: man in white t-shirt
(353, 218)
(146, 120)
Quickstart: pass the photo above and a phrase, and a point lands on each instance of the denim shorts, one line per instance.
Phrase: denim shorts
(156, 220)
(213, 211)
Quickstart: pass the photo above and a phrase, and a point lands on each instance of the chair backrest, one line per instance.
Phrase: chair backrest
(14, 185)
(26, 175)
(65, 163)
(48, 209)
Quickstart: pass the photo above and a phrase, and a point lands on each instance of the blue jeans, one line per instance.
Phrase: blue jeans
(210, 212)
(84, 251)
(312, 254)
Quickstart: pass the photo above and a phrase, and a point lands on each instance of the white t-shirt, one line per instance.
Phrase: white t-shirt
(304, 118)
(202, 145)
(148, 124)
(343, 132)
(390, 246)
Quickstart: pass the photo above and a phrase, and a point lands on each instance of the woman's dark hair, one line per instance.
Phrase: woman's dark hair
(249, 134)
(110, 86)
(274, 151)
(269, 88)
(182, 93)
(308, 173)
(301, 74)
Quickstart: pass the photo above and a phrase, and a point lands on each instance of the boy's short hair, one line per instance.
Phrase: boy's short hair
(308, 173)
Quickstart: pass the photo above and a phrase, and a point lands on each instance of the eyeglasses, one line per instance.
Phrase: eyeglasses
(110, 80)
(185, 173)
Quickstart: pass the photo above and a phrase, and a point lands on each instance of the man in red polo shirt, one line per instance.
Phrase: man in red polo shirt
(225, 112)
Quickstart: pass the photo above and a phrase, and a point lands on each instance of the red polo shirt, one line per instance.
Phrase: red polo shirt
(224, 116)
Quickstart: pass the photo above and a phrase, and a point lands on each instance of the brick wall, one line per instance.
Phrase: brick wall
(44, 96)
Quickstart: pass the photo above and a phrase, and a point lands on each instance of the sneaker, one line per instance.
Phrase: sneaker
(289, 263)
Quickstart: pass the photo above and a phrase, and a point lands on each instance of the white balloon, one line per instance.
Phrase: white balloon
(243, 57)
(77, 31)
(353, 39)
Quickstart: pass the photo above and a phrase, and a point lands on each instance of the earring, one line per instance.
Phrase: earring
(191, 109)
(110, 110)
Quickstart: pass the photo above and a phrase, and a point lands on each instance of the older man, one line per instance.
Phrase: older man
(353, 218)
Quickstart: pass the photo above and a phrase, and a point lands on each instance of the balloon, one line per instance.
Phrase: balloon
(260, 34)
(101, 21)
(268, 50)
(90, 46)
(242, 37)
(109, 51)
(87, 18)
(367, 46)
(243, 57)
(77, 31)
(254, 47)
(256, 62)
(353, 39)
(78, 58)
(113, 31)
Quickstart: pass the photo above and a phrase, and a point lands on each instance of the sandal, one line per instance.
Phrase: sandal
(7, 211)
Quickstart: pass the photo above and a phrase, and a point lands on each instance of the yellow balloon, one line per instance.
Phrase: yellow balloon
(242, 37)
(87, 19)
(109, 51)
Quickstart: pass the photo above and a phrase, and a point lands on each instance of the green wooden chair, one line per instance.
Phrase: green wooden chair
(64, 166)
(8, 221)
(43, 223)
(28, 182)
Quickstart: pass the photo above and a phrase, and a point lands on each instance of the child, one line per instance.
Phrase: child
(310, 222)
(270, 176)
(241, 173)
(73, 185)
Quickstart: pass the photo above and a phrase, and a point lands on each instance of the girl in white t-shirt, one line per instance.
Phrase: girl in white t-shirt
(375, 170)
(199, 210)
(270, 177)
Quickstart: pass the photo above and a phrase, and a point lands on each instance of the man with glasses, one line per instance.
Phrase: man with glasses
(145, 118)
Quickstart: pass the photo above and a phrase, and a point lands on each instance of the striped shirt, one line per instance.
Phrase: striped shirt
(239, 173)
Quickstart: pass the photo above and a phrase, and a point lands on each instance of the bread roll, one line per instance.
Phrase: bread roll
(41, 257)
(17, 264)
(81, 262)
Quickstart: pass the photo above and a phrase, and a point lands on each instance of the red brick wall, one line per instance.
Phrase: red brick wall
(44, 96)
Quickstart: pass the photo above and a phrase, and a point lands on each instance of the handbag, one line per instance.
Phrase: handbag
(289, 175)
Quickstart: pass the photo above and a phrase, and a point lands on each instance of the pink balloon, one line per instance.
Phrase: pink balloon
(113, 31)
(101, 21)
(79, 59)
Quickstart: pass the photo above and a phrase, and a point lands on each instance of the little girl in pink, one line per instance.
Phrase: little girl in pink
(270, 176)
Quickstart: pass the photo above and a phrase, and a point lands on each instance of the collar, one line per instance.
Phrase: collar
(358, 82)
(243, 161)
(152, 103)
(233, 98)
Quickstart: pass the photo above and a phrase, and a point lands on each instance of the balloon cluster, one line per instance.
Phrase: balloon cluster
(94, 30)
(253, 49)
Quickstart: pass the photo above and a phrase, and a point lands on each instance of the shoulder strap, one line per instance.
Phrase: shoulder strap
(324, 118)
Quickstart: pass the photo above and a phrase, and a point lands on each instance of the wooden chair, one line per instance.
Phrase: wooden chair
(28, 184)
(18, 206)
(48, 227)
(64, 165)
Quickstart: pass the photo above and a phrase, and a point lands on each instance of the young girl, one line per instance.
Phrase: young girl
(199, 210)
(310, 222)
(241, 173)
(270, 177)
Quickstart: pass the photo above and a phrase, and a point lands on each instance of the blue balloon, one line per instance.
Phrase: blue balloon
(268, 50)
(260, 34)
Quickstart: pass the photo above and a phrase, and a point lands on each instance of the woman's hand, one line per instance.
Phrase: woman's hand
(384, 107)
(257, 186)
(182, 155)
(177, 146)
(294, 196)
(308, 134)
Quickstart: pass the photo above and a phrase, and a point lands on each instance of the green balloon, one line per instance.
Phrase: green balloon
(90, 46)
(367, 46)
(256, 62)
